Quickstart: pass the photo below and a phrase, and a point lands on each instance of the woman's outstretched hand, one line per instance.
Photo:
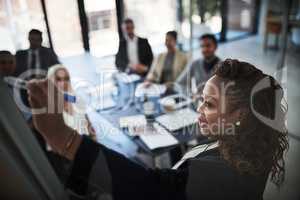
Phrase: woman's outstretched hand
(47, 107)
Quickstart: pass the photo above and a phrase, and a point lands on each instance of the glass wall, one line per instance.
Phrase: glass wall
(241, 15)
(227, 19)
(152, 19)
(212, 15)
(17, 17)
(103, 29)
(65, 27)
(205, 18)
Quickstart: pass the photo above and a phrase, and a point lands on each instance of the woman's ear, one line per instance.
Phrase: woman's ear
(240, 116)
(235, 117)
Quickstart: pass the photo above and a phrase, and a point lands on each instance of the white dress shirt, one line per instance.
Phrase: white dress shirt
(37, 58)
(132, 50)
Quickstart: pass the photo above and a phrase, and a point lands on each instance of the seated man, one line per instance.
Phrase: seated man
(36, 57)
(7, 63)
(201, 69)
(134, 54)
(7, 69)
(169, 65)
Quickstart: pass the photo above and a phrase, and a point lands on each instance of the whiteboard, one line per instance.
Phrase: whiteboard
(24, 170)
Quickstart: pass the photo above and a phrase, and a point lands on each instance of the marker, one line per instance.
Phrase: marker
(69, 98)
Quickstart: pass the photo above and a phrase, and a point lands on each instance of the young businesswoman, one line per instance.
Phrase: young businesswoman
(241, 112)
(73, 115)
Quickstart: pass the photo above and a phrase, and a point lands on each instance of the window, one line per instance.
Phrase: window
(152, 19)
(240, 18)
(65, 27)
(17, 17)
(102, 17)
(205, 18)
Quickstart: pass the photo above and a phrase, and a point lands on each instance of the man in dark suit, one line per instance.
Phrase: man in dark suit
(134, 54)
(36, 57)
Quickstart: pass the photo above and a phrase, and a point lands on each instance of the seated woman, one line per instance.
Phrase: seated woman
(167, 66)
(73, 115)
(241, 113)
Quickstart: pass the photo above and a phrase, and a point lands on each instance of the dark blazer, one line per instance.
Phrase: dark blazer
(47, 59)
(207, 176)
(145, 54)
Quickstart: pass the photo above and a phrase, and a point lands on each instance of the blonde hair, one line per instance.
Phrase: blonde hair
(53, 69)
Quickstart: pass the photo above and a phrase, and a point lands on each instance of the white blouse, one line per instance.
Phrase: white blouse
(77, 122)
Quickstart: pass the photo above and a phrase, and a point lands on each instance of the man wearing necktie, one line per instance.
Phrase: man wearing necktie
(33, 62)
(36, 57)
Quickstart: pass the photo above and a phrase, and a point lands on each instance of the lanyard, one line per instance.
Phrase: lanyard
(195, 152)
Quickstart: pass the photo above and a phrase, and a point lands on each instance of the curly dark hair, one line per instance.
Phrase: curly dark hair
(258, 145)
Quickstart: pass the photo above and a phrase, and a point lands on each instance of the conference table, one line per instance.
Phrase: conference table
(109, 133)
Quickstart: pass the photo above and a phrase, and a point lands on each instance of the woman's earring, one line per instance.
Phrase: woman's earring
(238, 123)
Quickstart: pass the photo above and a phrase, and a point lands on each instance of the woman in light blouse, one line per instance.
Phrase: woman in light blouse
(73, 115)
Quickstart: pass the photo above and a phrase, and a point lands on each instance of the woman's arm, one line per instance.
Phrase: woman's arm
(47, 107)
(123, 178)
(93, 163)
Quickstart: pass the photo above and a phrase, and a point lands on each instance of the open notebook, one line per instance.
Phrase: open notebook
(154, 135)
(178, 119)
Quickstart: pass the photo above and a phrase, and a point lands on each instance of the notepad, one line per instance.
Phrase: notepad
(176, 101)
(151, 90)
(133, 121)
(157, 137)
(128, 78)
(178, 119)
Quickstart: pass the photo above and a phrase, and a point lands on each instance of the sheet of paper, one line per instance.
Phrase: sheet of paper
(133, 121)
(178, 119)
(159, 138)
(176, 101)
(128, 78)
(151, 90)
